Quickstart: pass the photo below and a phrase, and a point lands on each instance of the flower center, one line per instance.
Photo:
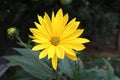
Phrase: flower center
(54, 41)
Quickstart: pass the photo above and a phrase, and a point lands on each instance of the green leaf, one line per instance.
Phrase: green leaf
(70, 68)
(27, 52)
(92, 74)
(80, 64)
(23, 75)
(31, 64)
(67, 67)
(110, 70)
(98, 74)
(115, 78)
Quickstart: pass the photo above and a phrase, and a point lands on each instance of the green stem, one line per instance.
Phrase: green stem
(62, 78)
(40, 61)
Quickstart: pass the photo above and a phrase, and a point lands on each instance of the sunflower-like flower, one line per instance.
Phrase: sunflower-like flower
(57, 37)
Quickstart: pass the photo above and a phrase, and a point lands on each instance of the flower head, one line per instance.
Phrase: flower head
(12, 32)
(57, 37)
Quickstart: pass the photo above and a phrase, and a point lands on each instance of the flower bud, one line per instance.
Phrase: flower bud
(12, 31)
(65, 2)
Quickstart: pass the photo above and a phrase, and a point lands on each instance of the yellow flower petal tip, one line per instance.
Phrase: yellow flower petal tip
(57, 37)
(54, 62)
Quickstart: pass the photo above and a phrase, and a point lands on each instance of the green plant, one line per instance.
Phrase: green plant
(72, 70)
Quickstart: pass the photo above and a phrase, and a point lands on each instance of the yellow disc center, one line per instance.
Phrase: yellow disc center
(54, 41)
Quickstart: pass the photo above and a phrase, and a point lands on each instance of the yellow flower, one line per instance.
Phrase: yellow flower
(57, 38)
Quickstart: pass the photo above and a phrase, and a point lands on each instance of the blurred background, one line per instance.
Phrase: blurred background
(99, 18)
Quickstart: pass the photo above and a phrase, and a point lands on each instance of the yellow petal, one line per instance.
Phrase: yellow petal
(38, 25)
(59, 13)
(81, 40)
(40, 40)
(48, 24)
(51, 51)
(43, 54)
(70, 28)
(53, 26)
(32, 37)
(41, 20)
(59, 23)
(77, 47)
(72, 57)
(47, 19)
(65, 19)
(75, 41)
(40, 47)
(53, 16)
(54, 62)
(39, 36)
(71, 22)
(67, 49)
(75, 34)
(42, 30)
(59, 52)
(36, 32)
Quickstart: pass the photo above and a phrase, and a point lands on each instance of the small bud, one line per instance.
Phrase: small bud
(65, 2)
(109, 58)
(12, 32)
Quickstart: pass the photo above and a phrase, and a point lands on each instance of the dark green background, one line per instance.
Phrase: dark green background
(99, 18)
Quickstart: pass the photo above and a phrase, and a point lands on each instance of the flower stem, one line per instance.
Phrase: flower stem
(40, 61)
(62, 78)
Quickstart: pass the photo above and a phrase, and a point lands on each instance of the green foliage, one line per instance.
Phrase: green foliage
(39, 69)
(110, 70)
(22, 75)
(76, 71)
(71, 68)
(30, 64)
(116, 65)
